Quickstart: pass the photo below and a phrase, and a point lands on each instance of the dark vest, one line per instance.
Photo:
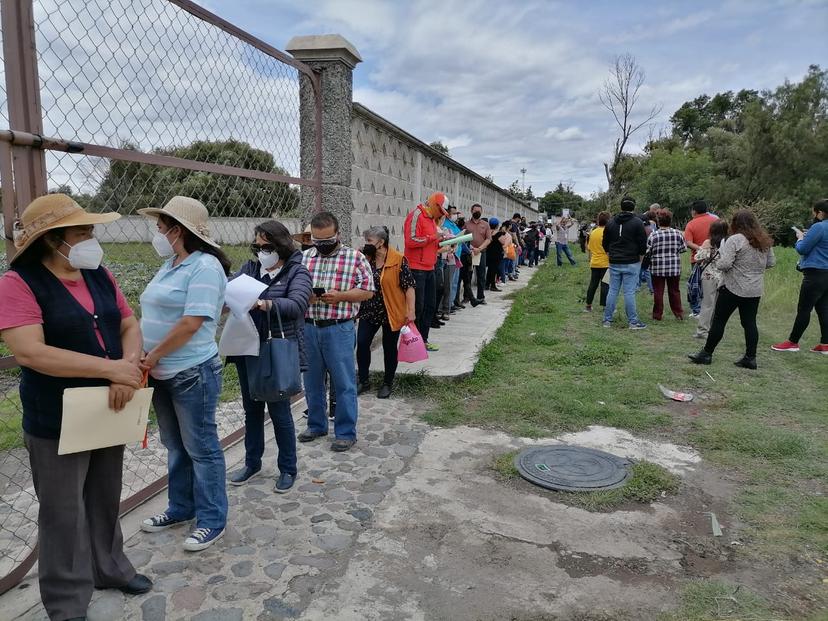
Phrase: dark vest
(66, 325)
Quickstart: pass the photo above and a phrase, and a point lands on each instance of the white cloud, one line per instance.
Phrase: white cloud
(565, 135)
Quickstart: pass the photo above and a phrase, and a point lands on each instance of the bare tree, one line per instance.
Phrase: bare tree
(619, 95)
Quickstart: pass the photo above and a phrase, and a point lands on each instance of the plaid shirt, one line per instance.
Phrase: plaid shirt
(664, 247)
(344, 270)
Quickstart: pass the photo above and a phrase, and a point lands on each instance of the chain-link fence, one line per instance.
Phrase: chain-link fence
(124, 104)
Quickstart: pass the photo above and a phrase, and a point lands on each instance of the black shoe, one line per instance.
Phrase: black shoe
(384, 392)
(139, 585)
(460, 306)
(481, 301)
(309, 436)
(701, 358)
(453, 310)
(284, 483)
(340, 446)
(363, 387)
(494, 288)
(243, 476)
(474, 303)
(436, 325)
(746, 363)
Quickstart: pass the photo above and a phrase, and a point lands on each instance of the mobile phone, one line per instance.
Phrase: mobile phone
(319, 291)
(796, 230)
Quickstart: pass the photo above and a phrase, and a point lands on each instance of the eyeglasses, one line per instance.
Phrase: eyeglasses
(266, 248)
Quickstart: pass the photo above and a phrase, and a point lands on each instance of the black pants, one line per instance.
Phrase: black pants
(439, 287)
(596, 274)
(465, 280)
(492, 270)
(425, 300)
(813, 294)
(481, 277)
(365, 336)
(726, 303)
(80, 545)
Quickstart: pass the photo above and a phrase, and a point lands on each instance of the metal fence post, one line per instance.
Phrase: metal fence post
(25, 114)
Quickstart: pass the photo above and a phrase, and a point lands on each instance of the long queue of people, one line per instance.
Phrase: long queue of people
(67, 322)
(728, 262)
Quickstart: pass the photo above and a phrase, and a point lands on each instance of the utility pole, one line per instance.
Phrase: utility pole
(523, 182)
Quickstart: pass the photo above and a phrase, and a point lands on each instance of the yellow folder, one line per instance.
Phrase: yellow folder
(89, 424)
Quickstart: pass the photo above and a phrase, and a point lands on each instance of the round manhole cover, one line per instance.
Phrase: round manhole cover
(572, 468)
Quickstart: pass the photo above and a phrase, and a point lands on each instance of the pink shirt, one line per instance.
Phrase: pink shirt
(19, 307)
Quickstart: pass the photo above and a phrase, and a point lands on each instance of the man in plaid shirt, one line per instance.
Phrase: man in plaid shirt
(342, 279)
(664, 247)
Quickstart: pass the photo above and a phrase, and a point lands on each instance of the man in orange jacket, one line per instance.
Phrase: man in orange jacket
(422, 238)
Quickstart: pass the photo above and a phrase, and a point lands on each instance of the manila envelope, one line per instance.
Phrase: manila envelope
(89, 424)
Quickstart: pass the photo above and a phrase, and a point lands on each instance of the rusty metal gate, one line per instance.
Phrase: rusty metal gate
(123, 104)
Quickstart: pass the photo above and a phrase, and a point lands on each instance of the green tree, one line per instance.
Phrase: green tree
(438, 145)
(673, 179)
(129, 186)
(562, 197)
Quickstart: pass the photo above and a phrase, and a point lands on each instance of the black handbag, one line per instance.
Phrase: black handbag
(274, 375)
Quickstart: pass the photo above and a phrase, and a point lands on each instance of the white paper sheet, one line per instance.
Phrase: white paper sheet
(89, 424)
(476, 259)
(241, 293)
(239, 337)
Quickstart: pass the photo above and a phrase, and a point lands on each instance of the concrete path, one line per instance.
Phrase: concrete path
(465, 334)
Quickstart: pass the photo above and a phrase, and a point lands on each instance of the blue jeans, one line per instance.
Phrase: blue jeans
(254, 428)
(623, 278)
(566, 250)
(331, 349)
(186, 409)
(455, 283)
(505, 269)
(645, 277)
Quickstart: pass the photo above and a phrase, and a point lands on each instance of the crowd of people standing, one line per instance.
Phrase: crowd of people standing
(64, 317)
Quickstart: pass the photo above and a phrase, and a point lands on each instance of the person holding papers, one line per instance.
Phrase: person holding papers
(66, 321)
(179, 311)
(278, 264)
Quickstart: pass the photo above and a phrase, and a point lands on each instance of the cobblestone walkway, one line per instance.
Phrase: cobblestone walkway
(279, 549)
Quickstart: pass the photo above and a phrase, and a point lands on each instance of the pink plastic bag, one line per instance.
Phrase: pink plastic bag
(411, 347)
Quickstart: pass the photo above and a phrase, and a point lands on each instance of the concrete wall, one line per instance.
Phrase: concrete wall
(392, 172)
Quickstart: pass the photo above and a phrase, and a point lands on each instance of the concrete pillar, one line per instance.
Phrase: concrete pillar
(333, 58)
(418, 179)
(456, 198)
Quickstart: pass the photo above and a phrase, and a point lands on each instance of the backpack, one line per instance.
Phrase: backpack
(694, 288)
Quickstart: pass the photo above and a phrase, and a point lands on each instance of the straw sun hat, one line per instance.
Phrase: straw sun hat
(188, 212)
(50, 212)
(304, 237)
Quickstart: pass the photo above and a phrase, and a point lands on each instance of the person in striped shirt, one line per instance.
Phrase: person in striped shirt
(342, 280)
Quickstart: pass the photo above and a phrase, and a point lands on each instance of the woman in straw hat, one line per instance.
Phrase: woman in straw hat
(179, 311)
(68, 324)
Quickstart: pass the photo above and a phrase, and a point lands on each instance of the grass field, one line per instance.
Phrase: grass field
(553, 368)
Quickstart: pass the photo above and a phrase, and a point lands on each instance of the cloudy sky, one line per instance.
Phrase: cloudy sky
(509, 84)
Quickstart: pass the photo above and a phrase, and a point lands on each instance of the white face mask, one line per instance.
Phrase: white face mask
(85, 255)
(268, 259)
(162, 245)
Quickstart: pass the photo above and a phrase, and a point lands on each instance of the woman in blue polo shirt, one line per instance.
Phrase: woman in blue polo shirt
(180, 308)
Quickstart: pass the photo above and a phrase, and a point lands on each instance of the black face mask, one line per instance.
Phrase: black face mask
(476, 215)
(326, 248)
(369, 250)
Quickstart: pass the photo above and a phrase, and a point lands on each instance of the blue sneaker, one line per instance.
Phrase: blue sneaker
(159, 522)
(638, 326)
(202, 538)
(284, 483)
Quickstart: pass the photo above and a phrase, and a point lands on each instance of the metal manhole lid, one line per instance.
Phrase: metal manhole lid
(572, 468)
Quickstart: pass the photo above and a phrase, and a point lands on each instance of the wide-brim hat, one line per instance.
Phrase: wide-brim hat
(304, 237)
(188, 212)
(50, 212)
